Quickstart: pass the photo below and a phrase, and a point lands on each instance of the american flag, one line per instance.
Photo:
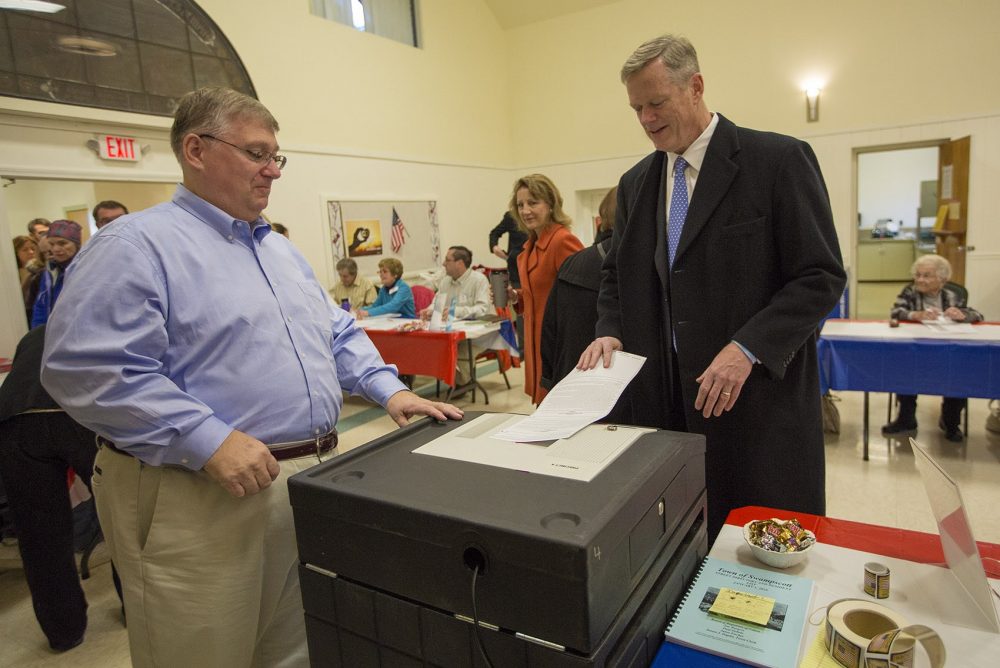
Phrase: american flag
(398, 231)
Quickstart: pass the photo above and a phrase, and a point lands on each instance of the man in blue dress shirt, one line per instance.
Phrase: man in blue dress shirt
(202, 350)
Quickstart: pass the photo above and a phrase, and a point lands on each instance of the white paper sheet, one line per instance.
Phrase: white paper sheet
(907, 331)
(579, 399)
(581, 457)
(949, 326)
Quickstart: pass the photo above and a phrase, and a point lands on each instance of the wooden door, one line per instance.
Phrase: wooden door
(953, 193)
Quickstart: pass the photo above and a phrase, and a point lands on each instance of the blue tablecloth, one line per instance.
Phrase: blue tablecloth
(678, 656)
(950, 368)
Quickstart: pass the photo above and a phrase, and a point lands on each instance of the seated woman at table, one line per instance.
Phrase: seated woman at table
(929, 297)
(395, 296)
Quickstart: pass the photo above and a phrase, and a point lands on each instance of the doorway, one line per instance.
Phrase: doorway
(896, 206)
(25, 199)
(73, 200)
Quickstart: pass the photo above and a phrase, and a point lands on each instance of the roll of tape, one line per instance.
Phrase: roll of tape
(896, 647)
(862, 634)
(877, 579)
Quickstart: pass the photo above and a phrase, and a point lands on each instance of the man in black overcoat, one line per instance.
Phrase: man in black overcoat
(726, 314)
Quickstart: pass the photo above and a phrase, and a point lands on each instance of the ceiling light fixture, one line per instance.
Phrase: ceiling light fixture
(32, 6)
(86, 46)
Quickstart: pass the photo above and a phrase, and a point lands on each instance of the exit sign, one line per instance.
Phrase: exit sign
(113, 147)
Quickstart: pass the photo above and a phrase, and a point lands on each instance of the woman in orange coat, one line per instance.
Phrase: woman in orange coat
(537, 207)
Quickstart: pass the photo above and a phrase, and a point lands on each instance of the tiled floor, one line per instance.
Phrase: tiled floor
(885, 490)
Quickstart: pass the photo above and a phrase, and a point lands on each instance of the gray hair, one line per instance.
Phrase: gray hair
(941, 265)
(677, 53)
(210, 111)
(349, 265)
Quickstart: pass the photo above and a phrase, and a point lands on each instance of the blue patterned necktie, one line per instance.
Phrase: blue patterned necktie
(678, 208)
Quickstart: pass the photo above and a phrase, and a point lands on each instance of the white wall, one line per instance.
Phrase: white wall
(889, 184)
(471, 200)
(28, 199)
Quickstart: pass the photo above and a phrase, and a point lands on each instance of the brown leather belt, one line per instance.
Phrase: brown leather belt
(312, 446)
(281, 451)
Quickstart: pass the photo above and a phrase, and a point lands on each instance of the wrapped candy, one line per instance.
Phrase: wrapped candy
(780, 536)
(412, 326)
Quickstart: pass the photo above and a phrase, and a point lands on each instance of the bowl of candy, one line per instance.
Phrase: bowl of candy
(778, 543)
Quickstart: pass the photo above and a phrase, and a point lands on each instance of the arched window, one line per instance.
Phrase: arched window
(129, 55)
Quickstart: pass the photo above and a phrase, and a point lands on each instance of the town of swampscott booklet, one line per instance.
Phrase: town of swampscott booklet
(771, 642)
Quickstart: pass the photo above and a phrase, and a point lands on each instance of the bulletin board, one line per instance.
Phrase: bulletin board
(363, 231)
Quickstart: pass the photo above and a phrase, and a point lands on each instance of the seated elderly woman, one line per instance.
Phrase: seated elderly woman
(395, 296)
(930, 298)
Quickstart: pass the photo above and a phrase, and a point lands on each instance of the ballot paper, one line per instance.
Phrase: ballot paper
(949, 326)
(581, 457)
(579, 399)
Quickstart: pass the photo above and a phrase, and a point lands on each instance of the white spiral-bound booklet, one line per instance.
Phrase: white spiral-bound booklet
(771, 644)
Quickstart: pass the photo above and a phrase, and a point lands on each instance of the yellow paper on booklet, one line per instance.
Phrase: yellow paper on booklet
(741, 605)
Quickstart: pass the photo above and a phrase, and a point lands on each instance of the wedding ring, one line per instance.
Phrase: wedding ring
(725, 394)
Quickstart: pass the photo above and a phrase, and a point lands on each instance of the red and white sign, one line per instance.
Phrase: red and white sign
(113, 147)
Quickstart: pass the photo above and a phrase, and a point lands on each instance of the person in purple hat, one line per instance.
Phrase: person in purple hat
(64, 242)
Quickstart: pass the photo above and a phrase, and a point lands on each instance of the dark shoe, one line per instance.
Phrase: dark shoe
(953, 434)
(63, 647)
(899, 427)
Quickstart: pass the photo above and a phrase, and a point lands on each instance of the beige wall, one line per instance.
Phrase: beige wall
(333, 87)
(891, 63)
(135, 196)
(31, 198)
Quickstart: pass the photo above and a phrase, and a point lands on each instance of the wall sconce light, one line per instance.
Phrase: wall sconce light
(812, 104)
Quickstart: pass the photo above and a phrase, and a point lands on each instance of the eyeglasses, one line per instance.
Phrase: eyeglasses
(260, 157)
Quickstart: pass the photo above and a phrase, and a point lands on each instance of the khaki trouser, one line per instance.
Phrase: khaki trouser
(209, 579)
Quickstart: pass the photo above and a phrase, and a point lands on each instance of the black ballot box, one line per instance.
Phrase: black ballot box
(400, 551)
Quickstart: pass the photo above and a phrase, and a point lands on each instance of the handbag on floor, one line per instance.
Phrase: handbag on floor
(993, 419)
(831, 414)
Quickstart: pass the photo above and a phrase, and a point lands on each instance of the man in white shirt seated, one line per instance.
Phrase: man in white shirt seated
(469, 289)
(470, 292)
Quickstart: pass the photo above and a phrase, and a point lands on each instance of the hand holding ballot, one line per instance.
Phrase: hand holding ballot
(579, 399)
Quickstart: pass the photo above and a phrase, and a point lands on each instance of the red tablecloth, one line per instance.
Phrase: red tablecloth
(421, 353)
(916, 546)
